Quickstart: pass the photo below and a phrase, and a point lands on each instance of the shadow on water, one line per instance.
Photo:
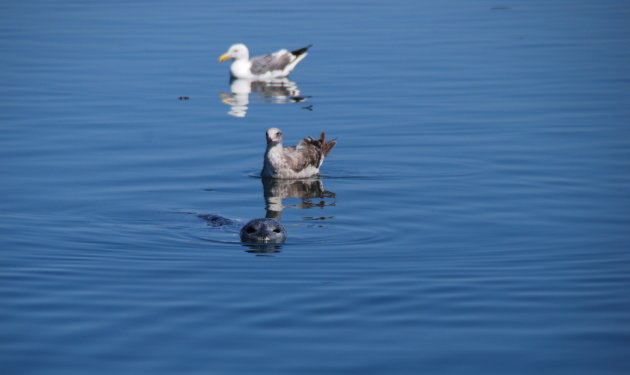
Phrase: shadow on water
(280, 90)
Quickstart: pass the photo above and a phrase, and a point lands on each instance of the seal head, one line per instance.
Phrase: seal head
(263, 230)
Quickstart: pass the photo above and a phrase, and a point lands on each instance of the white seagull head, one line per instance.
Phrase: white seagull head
(274, 136)
(237, 51)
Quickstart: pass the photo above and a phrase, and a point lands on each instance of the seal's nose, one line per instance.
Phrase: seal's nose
(266, 235)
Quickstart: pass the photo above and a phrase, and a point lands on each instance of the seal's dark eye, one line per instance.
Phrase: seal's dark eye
(250, 230)
(277, 230)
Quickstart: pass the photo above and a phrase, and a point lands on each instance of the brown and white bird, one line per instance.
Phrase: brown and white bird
(274, 65)
(301, 161)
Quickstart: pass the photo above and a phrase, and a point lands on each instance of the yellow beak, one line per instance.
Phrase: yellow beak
(224, 57)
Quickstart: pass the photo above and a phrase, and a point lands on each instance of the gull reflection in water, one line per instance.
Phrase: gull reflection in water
(310, 192)
(280, 90)
(307, 190)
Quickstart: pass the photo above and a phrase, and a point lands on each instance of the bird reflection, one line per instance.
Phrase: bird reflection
(307, 190)
(311, 193)
(280, 90)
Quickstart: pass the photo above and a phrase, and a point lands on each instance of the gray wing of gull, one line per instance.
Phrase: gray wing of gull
(271, 62)
(306, 153)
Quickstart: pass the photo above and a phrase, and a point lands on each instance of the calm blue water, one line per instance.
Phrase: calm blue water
(473, 218)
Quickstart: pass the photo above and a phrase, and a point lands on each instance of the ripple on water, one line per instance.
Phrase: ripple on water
(299, 235)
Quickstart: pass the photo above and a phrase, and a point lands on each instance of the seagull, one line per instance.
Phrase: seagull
(301, 161)
(274, 65)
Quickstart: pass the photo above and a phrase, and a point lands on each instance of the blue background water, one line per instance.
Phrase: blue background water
(477, 220)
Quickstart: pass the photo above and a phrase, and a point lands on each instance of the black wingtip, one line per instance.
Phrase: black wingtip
(300, 51)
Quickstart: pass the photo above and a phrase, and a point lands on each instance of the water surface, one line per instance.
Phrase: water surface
(473, 217)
